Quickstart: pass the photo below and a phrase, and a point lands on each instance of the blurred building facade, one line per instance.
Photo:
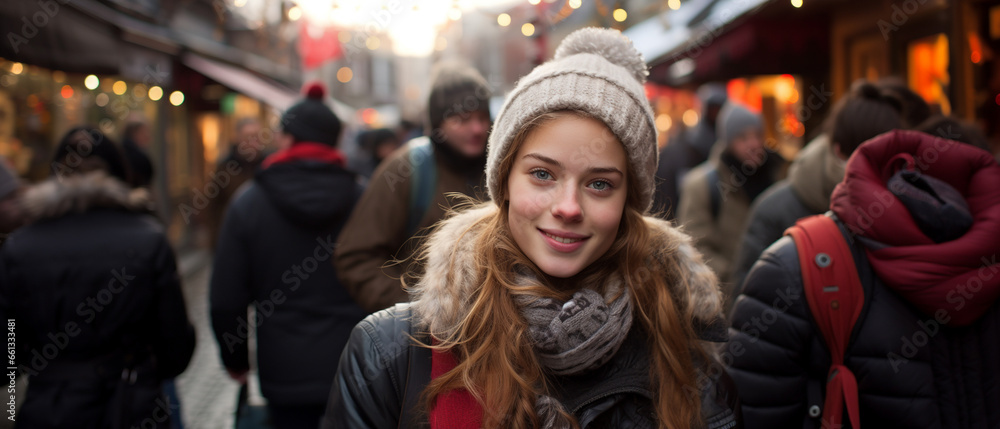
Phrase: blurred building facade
(189, 68)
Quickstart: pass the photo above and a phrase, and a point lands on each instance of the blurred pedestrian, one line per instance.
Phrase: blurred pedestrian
(408, 191)
(716, 195)
(377, 145)
(865, 112)
(274, 253)
(915, 109)
(238, 167)
(558, 304)
(136, 141)
(920, 215)
(92, 285)
(952, 128)
(688, 150)
(11, 187)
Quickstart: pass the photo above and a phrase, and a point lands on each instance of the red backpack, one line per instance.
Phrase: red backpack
(836, 297)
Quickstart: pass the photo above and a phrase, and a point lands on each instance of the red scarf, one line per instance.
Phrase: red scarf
(306, 151)
(456, 409)
(955, 281)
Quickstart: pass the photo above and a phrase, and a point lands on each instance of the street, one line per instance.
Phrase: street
(208, 396)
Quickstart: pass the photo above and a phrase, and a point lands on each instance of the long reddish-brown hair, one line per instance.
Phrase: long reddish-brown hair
(497, 363)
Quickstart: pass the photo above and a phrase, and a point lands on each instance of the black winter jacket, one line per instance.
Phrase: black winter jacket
(382, 375)
(274, 252)
(912, 371)
(98, 315)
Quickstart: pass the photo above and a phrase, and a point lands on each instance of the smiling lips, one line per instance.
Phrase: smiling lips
(561, 241)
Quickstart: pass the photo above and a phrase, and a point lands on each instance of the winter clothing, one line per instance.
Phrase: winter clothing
(382, 369)
(922, 276)
(310, 120)
(273, 253)
(594, 70)
(94, 288)
(377, 233)
(735, 119)
(85, 142)
(580, 334)
(687, 151)
(930, 327)
(138, 161)
(806, 191)
(456, 90)
(239, 167)
(714, 233)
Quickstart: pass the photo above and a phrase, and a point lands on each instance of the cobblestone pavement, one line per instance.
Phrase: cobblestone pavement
(207, 394)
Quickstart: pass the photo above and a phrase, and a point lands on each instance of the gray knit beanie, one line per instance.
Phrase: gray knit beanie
(595, 70)
(456, 89)
(734, 119)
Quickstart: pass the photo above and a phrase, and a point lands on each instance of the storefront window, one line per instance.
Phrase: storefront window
(779, 100)
(928, 70)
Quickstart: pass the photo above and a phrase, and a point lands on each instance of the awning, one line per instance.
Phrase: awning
(242, 81)
(682, 34)
(262, 89)
(58, 37)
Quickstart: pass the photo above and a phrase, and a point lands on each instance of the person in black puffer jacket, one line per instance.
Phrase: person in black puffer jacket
(274, 252)
(922, 214)
(92, 287)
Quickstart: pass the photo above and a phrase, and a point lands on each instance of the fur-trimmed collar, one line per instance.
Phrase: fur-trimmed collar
(59, 196)
(443, 295)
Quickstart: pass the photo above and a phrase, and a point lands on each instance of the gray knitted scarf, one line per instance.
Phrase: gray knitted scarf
(575, 336)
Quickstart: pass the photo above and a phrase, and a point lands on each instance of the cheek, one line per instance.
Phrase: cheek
(606, 216)
(525, 201)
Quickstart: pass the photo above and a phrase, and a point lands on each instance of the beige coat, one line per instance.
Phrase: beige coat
(376, 234)
(717, 239)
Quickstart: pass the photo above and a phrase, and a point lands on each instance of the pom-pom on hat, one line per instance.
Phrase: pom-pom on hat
(310, 120)
(597, 71)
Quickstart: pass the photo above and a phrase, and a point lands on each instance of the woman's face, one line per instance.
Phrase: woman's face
(567, 189)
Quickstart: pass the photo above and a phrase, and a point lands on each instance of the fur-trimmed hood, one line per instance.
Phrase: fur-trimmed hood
(443, 295)
(62, 195)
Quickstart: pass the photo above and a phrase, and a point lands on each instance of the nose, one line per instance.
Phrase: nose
(566, 205)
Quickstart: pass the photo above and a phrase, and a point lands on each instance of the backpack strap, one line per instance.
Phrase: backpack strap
(422, 183)
(836, 297)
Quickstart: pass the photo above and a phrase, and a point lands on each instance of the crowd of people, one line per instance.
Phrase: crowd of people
(547, 266)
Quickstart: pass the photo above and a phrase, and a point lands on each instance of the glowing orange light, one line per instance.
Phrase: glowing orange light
(369, 116)
(67, 91)
(976, 57)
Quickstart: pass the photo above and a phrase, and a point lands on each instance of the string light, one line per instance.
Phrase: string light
(91, 82)
(155, 93)
(176, 98)
(528, 29)
(345, 74)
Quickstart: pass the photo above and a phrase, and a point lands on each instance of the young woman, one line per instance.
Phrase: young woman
(558, 304)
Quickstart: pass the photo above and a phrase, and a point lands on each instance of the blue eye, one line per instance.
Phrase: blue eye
(600, 185)
(541, 175)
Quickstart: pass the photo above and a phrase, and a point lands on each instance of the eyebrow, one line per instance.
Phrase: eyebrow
(547, 160)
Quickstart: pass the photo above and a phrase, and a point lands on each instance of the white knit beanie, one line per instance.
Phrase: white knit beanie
(595, 70)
